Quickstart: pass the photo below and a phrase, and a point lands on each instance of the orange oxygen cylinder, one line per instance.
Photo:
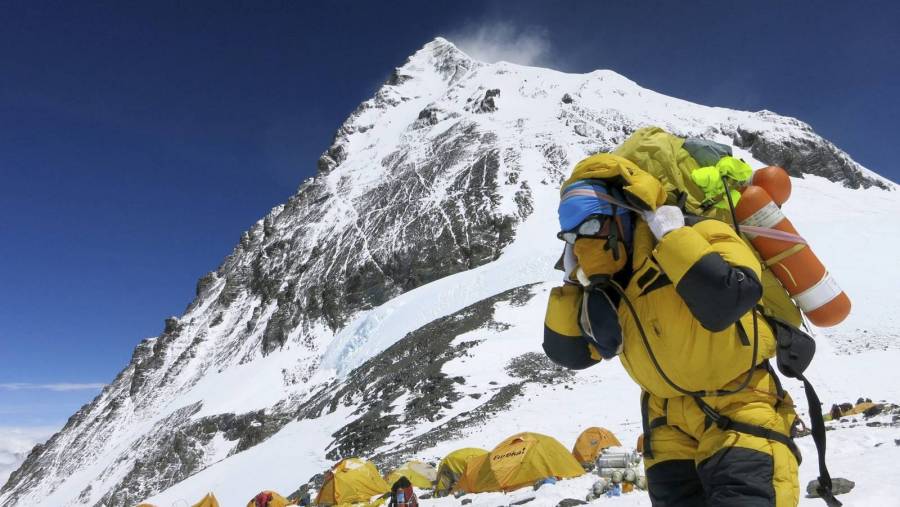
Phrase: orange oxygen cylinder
(775, 181)
(795, 265)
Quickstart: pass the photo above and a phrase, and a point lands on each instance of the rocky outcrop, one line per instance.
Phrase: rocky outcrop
(429, 394)
(809, 154)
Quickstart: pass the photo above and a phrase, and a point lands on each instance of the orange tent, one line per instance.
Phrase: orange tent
(519, 461)
(592, 442)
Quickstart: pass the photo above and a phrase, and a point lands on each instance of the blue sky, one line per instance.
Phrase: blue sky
(138, 141)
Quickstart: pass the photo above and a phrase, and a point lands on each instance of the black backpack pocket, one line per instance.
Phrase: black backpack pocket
(795, 349)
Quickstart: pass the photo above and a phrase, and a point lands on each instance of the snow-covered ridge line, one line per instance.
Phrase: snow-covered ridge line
(437, 193)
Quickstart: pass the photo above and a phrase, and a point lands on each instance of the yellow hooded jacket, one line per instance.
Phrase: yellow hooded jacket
(693, 293)
(690, 330)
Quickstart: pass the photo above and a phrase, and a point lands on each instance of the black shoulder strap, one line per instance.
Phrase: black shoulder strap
(793, 363)
(818, 433)
(645, 423)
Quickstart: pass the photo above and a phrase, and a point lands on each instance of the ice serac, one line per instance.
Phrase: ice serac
(344, 322)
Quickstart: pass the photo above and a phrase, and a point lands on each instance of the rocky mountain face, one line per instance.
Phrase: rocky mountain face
(437, 175)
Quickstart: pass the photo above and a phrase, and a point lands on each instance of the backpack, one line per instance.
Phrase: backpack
(671, 160)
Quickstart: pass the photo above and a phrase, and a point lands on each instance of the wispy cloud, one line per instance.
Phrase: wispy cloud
(503, 41)
(59, 386)
(15, 442)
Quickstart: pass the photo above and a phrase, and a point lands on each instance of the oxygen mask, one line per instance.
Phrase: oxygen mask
(599, 246)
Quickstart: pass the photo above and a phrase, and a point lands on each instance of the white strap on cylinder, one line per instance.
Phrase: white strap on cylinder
(819, 294)
(768, 216)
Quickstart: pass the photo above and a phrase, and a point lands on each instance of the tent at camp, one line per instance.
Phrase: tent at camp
(420, 474)
(269, 499)
(351, 480)
(452, 467)
(591, 444)
(846, 410)
(207, 501)
(520, 460)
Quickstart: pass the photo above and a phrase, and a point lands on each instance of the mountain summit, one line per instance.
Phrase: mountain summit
(393, 306)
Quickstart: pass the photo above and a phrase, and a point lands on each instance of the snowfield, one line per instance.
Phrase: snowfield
(604, 395)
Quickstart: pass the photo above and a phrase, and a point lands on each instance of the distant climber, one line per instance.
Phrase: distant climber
(402, 494)
(681, 302)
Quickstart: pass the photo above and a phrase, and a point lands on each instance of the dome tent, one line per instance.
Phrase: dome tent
(519, 461)
(591, 443)
(349, 481)
(452, 467)
(420, 474)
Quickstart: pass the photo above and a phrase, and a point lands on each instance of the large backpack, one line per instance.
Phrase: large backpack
(668, 159)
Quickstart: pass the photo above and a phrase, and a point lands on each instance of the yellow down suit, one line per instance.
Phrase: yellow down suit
(688, 336)
(709, 271)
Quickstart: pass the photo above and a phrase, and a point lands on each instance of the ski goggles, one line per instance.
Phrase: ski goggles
(594, 226)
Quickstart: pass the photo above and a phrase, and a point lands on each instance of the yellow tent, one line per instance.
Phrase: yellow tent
(856, 410)
(269, 499)
(207, 501)
(351, 480)
(591, 444)
(519, 461)
(421, 475)
(452, 467)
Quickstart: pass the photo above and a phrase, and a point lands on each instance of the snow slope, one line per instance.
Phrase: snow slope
(606, 396)
(429, 237)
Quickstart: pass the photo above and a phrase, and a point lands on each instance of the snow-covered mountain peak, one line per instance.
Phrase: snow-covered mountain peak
(440, 57)
(424, 76)
(426, 241)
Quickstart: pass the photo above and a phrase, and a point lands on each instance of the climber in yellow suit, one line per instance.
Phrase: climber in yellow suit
(687, 329)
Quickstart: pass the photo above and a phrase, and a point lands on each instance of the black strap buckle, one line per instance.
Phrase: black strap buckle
(723, 422)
